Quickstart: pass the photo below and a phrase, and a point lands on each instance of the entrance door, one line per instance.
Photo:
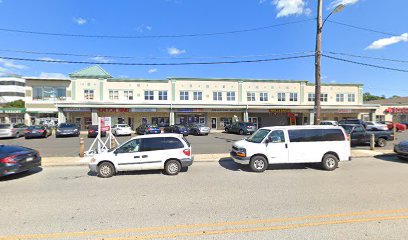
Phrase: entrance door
(277, 148)
(130, 122)
(214, 123)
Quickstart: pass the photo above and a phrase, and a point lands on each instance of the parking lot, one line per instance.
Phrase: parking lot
(213, 143)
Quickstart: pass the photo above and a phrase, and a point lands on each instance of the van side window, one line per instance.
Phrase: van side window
(173, 143)
(315, 135)
(153, 144)
(130, 147)
(277, 136)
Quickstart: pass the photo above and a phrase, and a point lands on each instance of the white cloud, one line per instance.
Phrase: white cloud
(291, 7)
(381, 43)
(49, 59)
(152, 70)
(175, 51)
(100, 59)
(335, 3)
(79, 20)
(52, 75)
(142, 27)
(11, 64)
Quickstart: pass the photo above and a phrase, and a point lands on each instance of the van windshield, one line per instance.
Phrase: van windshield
(258, 136)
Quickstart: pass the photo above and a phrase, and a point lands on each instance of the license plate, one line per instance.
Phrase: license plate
(29, 159)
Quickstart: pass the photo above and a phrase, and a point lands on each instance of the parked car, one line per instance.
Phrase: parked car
(198, 129)
(401, 149)
(16, 159)
(93, 131)
(353, 121)
(398, 126)
(374, 126)
(148, 129)
(360, 136)
(37, 131)
(332, 123)
(10, 130)
(241, 128)
(405, 123)
(293, 144)
(67, 129)
(121, 129)
(170, 152)
(181, 129)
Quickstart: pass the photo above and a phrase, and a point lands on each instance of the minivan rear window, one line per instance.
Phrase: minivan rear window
(316, 135)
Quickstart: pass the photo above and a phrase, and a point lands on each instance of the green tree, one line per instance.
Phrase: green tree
(369, 97)
(15, 104)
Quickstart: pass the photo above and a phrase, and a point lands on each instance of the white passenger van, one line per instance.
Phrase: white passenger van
(293, 144)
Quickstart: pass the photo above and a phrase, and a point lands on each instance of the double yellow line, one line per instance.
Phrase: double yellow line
(225, 224)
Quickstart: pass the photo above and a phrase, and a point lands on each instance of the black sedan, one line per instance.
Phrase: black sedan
(16, 159)
(37, 131)
(67, 129)
(181, 129)
(401, 149)
(93, 131)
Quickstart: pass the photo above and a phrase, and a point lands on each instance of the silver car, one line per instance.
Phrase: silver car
(10, 130)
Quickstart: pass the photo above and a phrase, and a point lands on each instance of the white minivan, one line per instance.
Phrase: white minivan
(168, 151)
(293, 144)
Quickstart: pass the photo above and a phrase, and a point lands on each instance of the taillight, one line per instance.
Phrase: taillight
(149, 129)
(348, 137)
(26, 131)
(8, 160)
(41, 131)
(187, 152)
(91, 130)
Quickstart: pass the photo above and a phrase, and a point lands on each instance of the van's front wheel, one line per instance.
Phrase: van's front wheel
(330, 162)
(258, 164)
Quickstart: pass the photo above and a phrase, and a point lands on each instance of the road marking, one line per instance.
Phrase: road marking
(261, 229)
(198, 225)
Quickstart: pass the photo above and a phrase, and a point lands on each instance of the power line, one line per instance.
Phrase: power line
(363, 28)
(135, 57)
(153, 36)
(365, 64)
(367, 57)
(157, 64)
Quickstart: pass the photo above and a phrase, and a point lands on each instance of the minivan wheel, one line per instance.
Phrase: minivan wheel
(330, 162)
(172, 167)
(106, 170)
(381, 142)
(258, 164)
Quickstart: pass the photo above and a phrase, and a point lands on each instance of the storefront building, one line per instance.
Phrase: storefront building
(12, 115)
(92, 92)
(393, 109)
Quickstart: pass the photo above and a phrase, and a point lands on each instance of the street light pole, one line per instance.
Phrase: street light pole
(318, 54)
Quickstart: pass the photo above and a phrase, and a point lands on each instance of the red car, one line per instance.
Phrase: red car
(399, 126)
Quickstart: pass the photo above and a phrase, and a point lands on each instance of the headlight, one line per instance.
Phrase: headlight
(241, 152)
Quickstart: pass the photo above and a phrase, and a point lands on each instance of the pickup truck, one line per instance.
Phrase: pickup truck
(360, 136)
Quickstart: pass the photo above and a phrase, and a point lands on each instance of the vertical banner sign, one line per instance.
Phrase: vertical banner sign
(105, 124)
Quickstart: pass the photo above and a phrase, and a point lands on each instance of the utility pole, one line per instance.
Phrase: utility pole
(317, 108)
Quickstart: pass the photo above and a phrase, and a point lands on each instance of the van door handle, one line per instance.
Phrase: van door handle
(144, 156)
(286, 145)
(136, 157)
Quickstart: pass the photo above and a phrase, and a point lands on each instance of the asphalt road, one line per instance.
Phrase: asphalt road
(362, 199)
(213, 143)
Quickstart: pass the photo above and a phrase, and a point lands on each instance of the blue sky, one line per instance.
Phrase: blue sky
(158, 17)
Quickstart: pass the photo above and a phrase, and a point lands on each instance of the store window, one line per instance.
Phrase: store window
(380, 118)
(184, 95)
(163, 95)
(293, 97)
(263, 96)
(49, 93)
(128, 95)
(161, 121)
(324, 97)
(230, 96)
(89, 94)
(251, 97)
(217, 96)
(198, 95)
(113, 94)
(281, 97)
(351, 97)
(339, 97)
(149, 95)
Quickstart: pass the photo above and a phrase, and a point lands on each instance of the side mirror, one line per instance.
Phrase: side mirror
(268, 140)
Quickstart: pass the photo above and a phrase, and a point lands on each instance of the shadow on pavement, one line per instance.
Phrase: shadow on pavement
(227, 139)
(228, 164)
(141, 172)
(21, 175)
(391, 158)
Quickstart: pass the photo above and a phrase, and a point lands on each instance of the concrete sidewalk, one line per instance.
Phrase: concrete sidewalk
(77, 161)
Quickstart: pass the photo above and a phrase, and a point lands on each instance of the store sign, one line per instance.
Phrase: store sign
(396, 110)
(143, 110)
(279, 110)
(345, 111)
(12, 110)
(105, 123)
(77, 109)
(224, 110)
(190, 110)
(113, 110)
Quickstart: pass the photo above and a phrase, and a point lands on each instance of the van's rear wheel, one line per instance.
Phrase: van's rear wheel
(330, 162)
(172, 167)
(258, 164)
